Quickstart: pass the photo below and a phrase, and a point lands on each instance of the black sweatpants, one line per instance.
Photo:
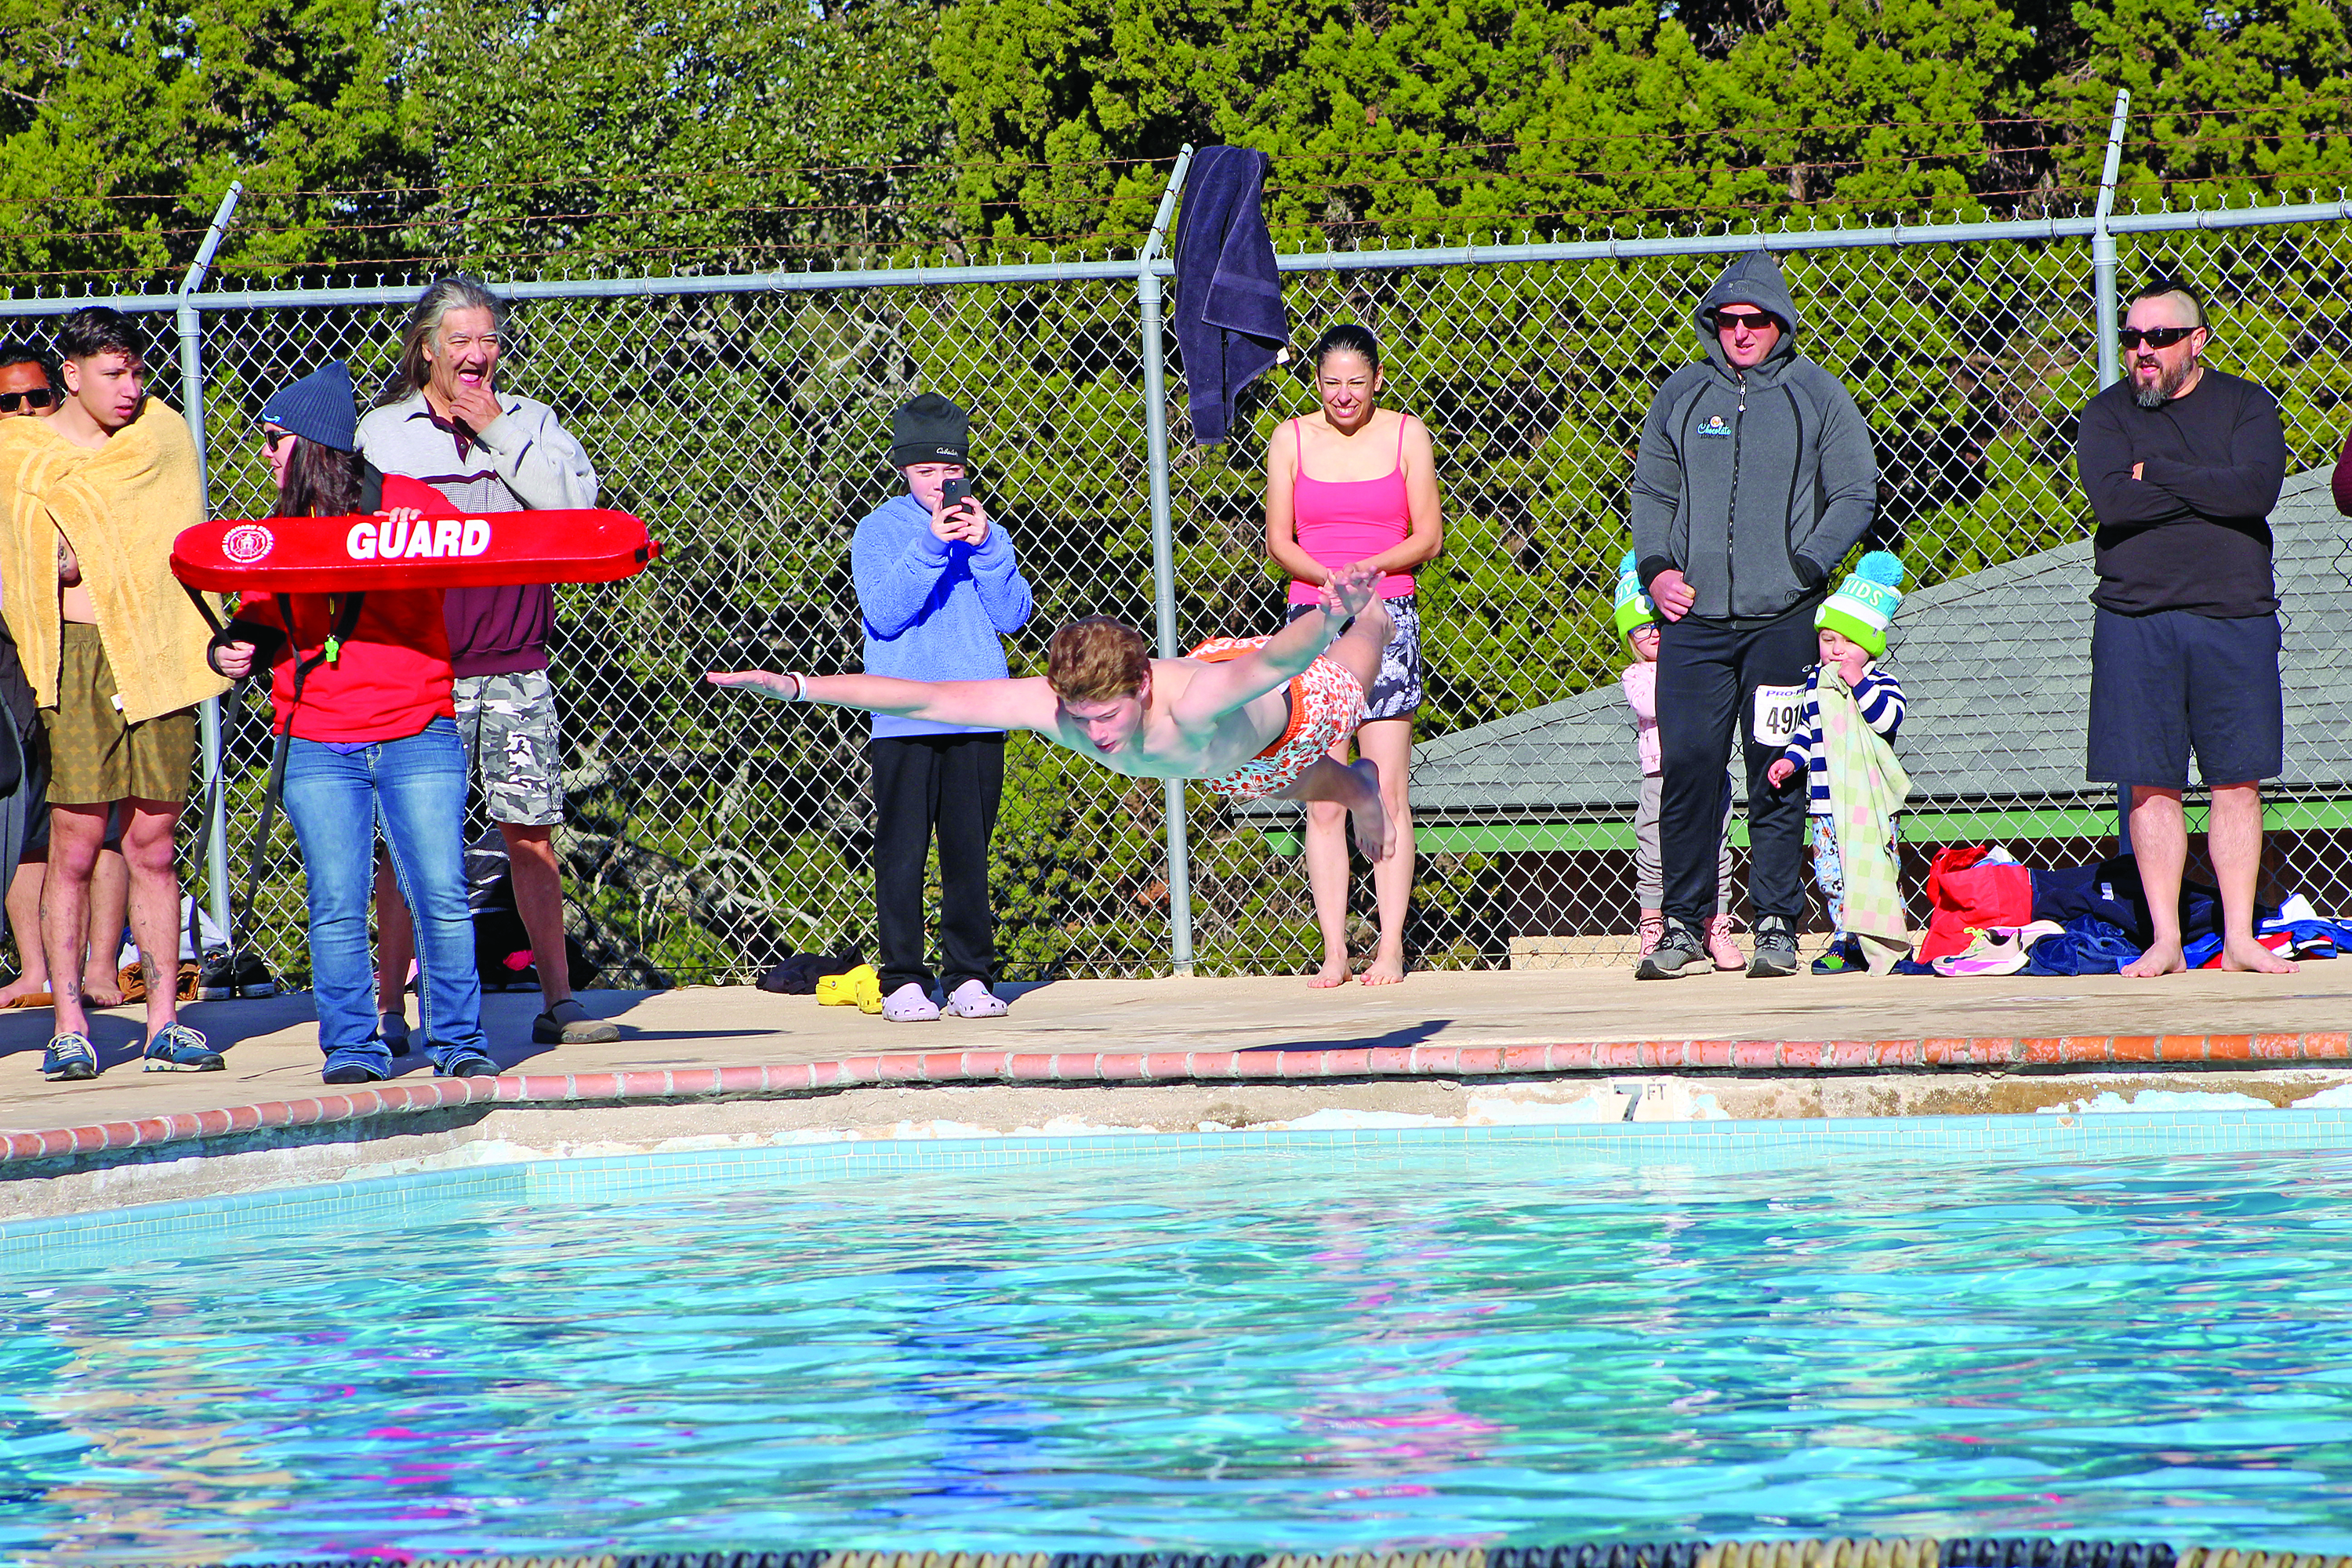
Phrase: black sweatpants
(1707, 675)
(952, 783)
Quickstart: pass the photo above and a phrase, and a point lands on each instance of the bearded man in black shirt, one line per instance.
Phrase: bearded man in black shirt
(2182, 464)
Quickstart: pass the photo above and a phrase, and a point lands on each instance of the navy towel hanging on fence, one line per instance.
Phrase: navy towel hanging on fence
(1230, 322)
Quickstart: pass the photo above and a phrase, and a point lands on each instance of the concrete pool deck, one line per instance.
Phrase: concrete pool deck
(730, 1067)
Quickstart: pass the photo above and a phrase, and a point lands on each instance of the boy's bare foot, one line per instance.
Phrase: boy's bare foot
(1333, 972)
(1386, 969)
(2253, 958)
(101, 988)
(1373, 834)
(24, 985)
(2164, 958)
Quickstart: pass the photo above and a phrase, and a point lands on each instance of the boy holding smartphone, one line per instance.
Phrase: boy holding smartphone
(937, 588)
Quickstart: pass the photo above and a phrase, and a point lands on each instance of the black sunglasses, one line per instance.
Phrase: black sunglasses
(2154, 337)
(1726, 320)
(39, 397)
(269, 438)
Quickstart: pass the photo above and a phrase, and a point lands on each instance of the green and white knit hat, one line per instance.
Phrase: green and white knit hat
(1635, 609)
(1865, 602)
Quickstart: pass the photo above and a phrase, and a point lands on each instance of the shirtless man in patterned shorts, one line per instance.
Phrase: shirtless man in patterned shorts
(1255, 716)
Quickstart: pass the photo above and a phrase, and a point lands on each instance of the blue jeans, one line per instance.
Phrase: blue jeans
(416, 789)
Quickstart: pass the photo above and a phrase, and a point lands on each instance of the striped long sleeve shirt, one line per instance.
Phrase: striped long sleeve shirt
(1879, 696)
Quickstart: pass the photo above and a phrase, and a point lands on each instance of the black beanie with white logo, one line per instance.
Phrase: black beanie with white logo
(930, 430)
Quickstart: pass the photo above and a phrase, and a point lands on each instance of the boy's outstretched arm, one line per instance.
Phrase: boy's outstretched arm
(984, 704)
(1226, 685)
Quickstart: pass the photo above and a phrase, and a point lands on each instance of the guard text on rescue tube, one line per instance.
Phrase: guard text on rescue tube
(429, 539)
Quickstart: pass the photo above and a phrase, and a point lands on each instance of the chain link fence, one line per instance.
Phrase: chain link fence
(708, 834)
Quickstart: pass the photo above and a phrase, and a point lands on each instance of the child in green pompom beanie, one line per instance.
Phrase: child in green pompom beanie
(1852, 625)
(1636, 620)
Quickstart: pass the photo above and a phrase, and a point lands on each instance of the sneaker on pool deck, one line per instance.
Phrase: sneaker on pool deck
(349, 1065)
(1842, 956)
(69, 1059)
(178, 1048)
(974, 1000)
(1680, 951)
(910, 1004)
(1719, 946)
(1776, 949)
(460, 1061)
(1652, 931)
(568, 1024)
(393, 1029)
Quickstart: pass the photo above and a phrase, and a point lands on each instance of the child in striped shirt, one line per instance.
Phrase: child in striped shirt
(1852, 635)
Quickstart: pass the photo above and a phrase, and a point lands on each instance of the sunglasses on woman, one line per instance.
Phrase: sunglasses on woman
(2154, 337)
(270, 438)
(39, 397)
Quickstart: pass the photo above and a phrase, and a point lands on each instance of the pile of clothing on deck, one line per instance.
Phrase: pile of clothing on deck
(1993, 916)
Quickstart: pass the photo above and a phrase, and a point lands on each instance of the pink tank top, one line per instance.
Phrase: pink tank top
(1339, 521)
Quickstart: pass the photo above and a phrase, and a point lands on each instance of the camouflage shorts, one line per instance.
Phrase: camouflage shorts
(510, 729)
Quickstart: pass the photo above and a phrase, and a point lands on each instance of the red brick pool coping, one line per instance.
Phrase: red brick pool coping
(1190, 1066)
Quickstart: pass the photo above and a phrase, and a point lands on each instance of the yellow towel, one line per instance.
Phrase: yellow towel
(121, 506)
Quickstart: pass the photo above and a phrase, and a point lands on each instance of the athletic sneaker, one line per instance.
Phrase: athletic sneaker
(1679, 952)
(568, 1024)
(460, 1062)
(1842, 956)
(1719, 945)
(1776, 949)
(1652, 931)
(69, 1059)
(178, 1048)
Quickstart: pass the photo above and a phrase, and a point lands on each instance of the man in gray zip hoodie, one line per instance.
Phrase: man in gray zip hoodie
(1754, 478)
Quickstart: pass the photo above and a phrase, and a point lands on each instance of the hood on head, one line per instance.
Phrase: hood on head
(1754, 278)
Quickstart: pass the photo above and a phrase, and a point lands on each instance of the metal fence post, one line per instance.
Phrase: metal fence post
(2102, 249)
(192, 398)
(1163, 549)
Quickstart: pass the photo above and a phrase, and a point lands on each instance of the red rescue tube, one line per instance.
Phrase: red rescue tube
(351, 554)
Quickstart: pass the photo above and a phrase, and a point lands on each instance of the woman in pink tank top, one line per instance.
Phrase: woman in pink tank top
(1354, 482)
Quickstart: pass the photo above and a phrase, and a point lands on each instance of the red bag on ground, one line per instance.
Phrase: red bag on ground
(1962, 892)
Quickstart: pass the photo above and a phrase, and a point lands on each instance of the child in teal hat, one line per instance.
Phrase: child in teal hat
(1852, 625)
(1636, 620)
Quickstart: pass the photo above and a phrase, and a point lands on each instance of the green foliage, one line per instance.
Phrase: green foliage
(121, 125)
(708, 135)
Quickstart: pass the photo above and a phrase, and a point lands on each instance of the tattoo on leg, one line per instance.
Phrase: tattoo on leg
(67, 990)
(150, 970)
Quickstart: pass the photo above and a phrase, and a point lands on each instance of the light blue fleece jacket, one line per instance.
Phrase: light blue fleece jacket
(934, 609)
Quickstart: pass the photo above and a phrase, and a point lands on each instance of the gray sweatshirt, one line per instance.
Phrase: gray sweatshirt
(1753, 485)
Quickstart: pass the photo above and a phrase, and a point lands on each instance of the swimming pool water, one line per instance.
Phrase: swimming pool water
(1301, 1348)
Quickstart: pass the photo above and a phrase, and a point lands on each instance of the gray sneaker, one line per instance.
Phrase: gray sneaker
(1682, 950)
(1776, 949)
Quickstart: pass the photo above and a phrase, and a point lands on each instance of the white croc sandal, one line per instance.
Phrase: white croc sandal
(974, 1000)
(909, 1004)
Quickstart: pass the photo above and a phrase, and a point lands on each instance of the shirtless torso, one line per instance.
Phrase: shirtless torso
(1192, 718)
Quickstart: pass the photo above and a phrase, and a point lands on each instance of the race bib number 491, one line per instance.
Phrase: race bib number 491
(1777, 707)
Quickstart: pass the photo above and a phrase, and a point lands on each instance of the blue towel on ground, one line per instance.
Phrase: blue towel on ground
(1230, 322)
(2088, 945)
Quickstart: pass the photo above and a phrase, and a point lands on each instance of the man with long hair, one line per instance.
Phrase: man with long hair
(443, 419)
(90, 501)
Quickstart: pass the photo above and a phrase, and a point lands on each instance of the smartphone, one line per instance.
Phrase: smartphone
(954, 493)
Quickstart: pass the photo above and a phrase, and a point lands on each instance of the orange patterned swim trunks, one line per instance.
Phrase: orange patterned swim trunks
(1327, 703)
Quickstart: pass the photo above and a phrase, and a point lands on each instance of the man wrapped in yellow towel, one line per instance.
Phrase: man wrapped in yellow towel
(90, 501)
